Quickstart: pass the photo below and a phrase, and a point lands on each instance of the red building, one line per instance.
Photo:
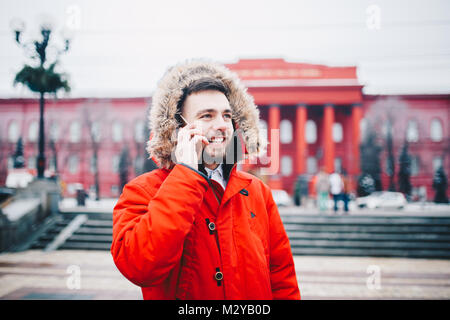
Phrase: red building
(320, 111)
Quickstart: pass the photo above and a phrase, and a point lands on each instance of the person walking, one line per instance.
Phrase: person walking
(197, 227)
(322, 190)
(346, 189)
(336, 187)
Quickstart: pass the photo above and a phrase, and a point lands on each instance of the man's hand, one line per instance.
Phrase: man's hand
(190, 142)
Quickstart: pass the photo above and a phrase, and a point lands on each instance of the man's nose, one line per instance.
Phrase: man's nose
(219, 124)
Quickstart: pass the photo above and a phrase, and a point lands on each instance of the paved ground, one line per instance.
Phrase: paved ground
(92, 275)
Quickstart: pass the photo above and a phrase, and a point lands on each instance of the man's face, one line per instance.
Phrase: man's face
(211, 111)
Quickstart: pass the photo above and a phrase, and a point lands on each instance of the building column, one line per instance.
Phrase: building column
(327, 141)
(356, 138)
(300, 142)
(274, 124)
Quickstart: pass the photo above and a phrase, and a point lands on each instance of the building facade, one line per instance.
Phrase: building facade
(314, 117)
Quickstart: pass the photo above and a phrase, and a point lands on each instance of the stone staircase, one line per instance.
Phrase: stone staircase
(93, 233)
(369, 235)
(353, 235)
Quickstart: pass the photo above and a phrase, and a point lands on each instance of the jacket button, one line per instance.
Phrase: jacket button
(212, 226)
(218, 276)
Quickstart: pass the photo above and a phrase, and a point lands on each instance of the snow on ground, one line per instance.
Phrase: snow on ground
(18, 208)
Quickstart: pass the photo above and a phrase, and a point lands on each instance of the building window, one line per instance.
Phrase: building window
(311, 165)
(437, 163)
(54, 131)
(139, 131)
(31, 162)
(415, 165)
(115, 190)
(73, 164)
(363, 128)
(285, 131)
(33, 131)
(75, 132)
(412, 131)
(436, 132)
(263, 129)
(96, 131)
(115, 163)
(310, 131)
(338, 132)
(117, 131)
(338, 165)
(286, 166)
(13, 131)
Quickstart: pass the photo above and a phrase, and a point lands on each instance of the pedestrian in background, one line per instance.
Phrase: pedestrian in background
(322, 190)
(346, 189)
(336, 187)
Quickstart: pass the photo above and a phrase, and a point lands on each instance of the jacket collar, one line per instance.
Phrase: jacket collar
(236, 182)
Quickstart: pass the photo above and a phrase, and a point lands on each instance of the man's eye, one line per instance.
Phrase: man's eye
(227, 116)
(205, 116)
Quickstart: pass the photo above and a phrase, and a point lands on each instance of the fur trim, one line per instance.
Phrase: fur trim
(169, 91)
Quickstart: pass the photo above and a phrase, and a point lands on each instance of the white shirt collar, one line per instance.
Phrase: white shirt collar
(218, 170)
(217, 175)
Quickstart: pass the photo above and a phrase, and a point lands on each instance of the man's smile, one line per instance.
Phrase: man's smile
(217, 139)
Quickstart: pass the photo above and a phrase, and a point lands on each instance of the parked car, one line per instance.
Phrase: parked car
(382, 199)
(281, 198)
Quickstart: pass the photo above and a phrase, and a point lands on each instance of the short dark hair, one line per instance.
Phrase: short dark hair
(202, 84)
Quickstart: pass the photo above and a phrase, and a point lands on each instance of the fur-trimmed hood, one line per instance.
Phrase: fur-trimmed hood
(162, 121)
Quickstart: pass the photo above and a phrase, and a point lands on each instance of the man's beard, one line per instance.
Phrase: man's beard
(214, 155)
(231, 153)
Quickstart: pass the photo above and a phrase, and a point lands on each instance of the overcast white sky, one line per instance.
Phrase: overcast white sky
(121, 48)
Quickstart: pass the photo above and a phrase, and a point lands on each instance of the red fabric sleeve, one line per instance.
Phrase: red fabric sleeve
(150, 225)
(282, 270)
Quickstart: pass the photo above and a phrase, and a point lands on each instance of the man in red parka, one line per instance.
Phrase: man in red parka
(196, 227)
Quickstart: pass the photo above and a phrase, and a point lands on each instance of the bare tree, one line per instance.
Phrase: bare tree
(124, 164)
(388, 112)
(55, 143)
(93, 117)
(3, 159)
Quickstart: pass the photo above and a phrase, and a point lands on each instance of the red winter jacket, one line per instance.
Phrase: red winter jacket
(172, 237)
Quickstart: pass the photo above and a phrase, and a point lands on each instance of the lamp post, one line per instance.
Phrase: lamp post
(40, 79)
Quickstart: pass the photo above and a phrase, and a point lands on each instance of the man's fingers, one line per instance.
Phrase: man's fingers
(193, 132)
(199, 137)
(185, 134)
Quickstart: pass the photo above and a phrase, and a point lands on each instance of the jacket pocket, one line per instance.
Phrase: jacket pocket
(257, 226)
(186, 267)
(262, 253)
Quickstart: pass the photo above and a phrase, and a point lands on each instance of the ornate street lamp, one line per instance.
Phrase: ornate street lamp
(41, 79)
